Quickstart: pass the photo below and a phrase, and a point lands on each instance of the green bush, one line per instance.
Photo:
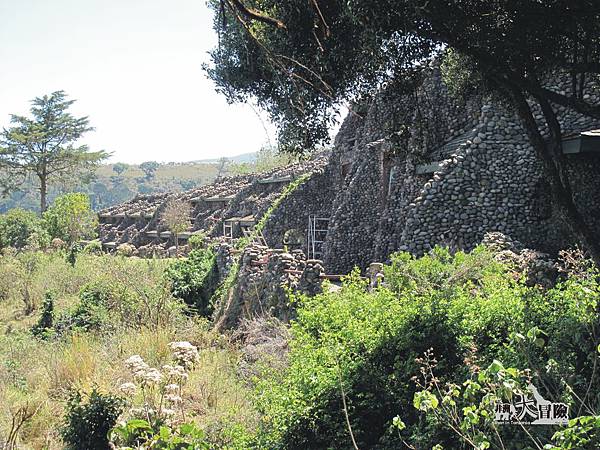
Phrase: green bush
(197, 241)
(92, 311)
(362, 347)
(93, 248)
(195, 279)
(139, 433)
(46, 321)
(87, 423)
(71, 218)
(18, 226)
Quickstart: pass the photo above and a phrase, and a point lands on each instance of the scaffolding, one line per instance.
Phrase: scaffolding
(317, 232)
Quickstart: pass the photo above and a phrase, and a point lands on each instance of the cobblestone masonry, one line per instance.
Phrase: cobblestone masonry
(488, 179)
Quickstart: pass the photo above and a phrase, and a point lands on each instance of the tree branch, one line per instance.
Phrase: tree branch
(253, 14)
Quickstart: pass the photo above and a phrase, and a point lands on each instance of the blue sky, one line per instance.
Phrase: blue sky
(134, 67)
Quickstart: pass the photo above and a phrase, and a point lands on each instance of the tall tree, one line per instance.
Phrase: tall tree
(45, 144)
(119, 168)
(149, 168)
(300, 60)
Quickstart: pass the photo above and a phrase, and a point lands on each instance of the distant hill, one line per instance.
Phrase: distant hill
(107, 187)
(117, 182)
(243, 158)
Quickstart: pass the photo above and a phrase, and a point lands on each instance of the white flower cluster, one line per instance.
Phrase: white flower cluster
(161, 385)
(142, 371)
(184, 353)
(128, 389)
(175, 372)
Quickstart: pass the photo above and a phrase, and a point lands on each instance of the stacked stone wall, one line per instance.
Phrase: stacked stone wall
(489, 178)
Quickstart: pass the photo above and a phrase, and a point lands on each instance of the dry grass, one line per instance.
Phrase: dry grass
(38, 375)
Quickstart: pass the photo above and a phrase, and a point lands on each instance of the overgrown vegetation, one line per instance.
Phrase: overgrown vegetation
(354, 355)
(88, 320)
(194, 279)
(103, 351)
(68, 219)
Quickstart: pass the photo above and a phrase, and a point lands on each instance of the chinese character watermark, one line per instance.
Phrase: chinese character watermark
(532, 410)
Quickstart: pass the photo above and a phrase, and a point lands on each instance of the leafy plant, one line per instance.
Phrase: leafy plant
(71, 218)
(358, 351)
(46, 320)
(186, 436)
(88, 421)
(195, 279)
(92, 311)
(93, 248)
(197, 240)
(17, 226)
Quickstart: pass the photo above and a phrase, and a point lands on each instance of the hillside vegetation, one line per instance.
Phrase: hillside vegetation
(416, 363)
(111, 184)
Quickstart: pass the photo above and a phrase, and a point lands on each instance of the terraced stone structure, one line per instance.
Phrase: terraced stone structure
(422, 169)
(227, 207)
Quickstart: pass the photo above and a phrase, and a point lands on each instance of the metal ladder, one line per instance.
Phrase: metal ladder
(317, 232)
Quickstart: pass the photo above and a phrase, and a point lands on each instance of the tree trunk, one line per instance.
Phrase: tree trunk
(553, 162)
(176, 245)
(43, 193)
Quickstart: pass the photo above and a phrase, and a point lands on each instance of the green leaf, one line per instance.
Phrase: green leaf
(398, 423)
(495, 367)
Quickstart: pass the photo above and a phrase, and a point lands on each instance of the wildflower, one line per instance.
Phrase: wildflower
(168, 412)
(173, 398)
(184, 353)
(171, 388)
(136, 364)
(127, 388)
(175, 371)
(152, 375)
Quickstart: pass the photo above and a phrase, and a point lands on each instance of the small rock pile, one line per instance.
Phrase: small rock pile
(538, 267)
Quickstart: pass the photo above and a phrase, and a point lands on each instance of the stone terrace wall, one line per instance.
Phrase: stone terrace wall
(488, 179)
(313, 197)
(264, 279)
(382, 192)
(240, 196)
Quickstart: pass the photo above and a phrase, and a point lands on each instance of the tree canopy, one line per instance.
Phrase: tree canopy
(45, 145)
(299, 60)
(149, 168)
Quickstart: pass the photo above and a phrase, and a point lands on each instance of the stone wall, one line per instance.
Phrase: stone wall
(486, 177)
(264, 280)
(410, 170)
(138, 222)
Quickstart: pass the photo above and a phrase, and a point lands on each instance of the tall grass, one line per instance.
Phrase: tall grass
(37, 375)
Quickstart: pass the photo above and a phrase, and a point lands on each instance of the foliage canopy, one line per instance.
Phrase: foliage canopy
(71, 218)
(45, 144)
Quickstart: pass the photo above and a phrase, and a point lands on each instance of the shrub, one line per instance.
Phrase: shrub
(71, 218)
(93, 248)
(87, 423)
(38, 240)
(92, 311)
(74, 250)
(197, 241)
(356, 350)
(195, 279)
(139, 433)
(125, 249)
(17, 226)
(46, 320)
